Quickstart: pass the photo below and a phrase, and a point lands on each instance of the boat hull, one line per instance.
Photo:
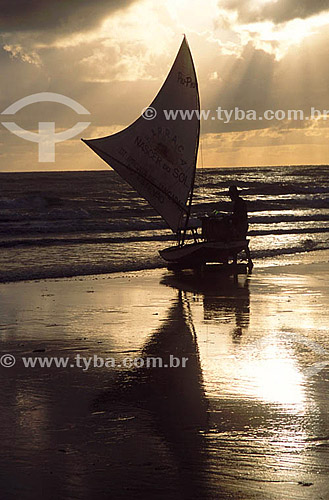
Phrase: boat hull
(198, 254)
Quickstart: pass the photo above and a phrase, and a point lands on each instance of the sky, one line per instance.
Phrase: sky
(112, 56)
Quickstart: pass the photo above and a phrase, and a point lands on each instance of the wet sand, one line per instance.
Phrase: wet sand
(246, 418)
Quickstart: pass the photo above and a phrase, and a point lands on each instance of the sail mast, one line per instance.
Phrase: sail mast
(196, 151)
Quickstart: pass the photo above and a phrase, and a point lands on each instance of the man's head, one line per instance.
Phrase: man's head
(233, 192)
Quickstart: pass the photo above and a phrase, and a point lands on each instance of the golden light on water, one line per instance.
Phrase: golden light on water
(267, 360)
(276, 378)
(266, 372)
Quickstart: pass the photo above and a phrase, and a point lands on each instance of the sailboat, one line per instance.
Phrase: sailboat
(157, 156)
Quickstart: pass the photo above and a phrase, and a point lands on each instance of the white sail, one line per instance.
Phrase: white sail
(158, 156)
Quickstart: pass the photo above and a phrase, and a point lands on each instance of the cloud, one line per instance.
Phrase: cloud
(250, 11)
(115, 68)
(63, 16)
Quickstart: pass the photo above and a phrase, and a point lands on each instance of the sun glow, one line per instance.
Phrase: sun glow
(277, 379)
(277, 39)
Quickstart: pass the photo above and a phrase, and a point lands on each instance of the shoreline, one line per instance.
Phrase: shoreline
(285, 259)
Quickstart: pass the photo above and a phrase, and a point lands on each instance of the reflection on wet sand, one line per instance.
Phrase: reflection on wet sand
(261, 412)
(222, 296)
(173, 396)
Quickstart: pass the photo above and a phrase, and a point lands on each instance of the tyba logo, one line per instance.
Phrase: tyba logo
(46, 137)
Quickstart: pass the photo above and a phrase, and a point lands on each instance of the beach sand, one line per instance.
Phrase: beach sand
(247, 417)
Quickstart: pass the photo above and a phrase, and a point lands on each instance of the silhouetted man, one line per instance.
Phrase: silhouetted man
(239, 216)
(239, 221)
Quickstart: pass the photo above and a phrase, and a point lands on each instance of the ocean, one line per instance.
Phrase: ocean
(61, 224)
